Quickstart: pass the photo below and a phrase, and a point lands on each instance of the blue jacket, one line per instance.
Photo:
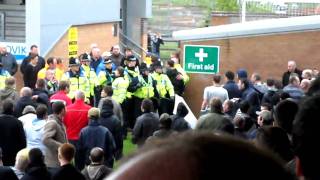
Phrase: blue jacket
(95, 135)
(97, 65)
(233, 89)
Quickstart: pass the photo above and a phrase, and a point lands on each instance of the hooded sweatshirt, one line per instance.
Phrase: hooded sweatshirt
(8, 93)
(34, 133)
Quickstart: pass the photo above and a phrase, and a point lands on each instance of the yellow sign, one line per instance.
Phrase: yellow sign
(73, 42)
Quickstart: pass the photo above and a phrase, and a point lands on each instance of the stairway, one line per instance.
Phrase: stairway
(167, 18)
(14, 23)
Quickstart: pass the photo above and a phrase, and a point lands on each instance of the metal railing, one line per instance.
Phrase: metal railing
(126, 42)
(2, 24)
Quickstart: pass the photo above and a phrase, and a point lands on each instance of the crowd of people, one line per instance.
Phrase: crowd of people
(72, 123)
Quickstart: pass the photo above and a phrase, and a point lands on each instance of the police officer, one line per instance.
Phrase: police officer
(146, 89)
(106, 77)
(90, 74)
(165, 90)
(77, 78)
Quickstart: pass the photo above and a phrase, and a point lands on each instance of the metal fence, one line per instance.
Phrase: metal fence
(2, 24)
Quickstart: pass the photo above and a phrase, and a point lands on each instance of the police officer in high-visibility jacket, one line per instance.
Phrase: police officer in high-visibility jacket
(4, 74)
(147, 89)
(76, 78)
(120, 86)
(131, 75)
(165, 90)
(90, 74)
(106, 76)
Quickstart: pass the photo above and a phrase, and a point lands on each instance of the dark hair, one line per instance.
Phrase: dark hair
(199, 153)
(270, 82)
(8, 106)
(63, 85)
(121, 71)
(284, 95)
(50, 60)
(216, 105)
(229, 75)
(284, 113)
(267, 105)
(165, 121)
(246, 83)
(147, 105)
(256, 76)
(36, 158)
(96, 155)
(170, 63)
(216, 78)
(67, 151)
(305, 130)
(41, 83)
(314, 87)
(276, 140)
(244, 106)
(41, 111)
(182, 110)
(107, 103)
(58, 107)
(108, 90)
(33, 46)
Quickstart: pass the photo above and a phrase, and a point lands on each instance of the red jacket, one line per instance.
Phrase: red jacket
(61, 96)
(76, 118)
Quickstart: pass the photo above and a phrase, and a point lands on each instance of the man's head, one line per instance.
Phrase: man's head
(128, 52)
(182, 110)
(34, 50)
(42, 111)
(132, 61)
(227, 106)
(255, 77)
(25, 91)
(216, 79)
(147, 106)
(165, 121)
(116, 50)
(3, 48)
(307, 74)
(119, 71)
(10, 82)
(58, 108)
(242, 74)
(74, 64)
(36, 157)
(79, 95)
(96, 155)
(28, 109)
(41, 84)
(107, 91)
(107, 104)
(229, 75)
(216, 105)
(264, 118)
(305, 85)
(96, 53)
(107, 63)
(66, 153)
(294, 79)
(175, 57)
(94, 113)
(64, 86)
(244, 84)
(196, 155)
(292, 66)
(270, 83)
(52, 62)
(305, 130)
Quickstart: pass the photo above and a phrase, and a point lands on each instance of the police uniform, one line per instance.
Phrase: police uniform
(106, 77)
(78, 80)
(165, 90)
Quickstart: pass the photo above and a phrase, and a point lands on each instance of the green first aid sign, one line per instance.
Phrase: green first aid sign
(201, 59)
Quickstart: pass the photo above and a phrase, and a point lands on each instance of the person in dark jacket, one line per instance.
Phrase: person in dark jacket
(250, 95)
(178, 122)
(7, 173)
(174, 75)
(8, 60)
(12, 136)
(40, 94)
(164, 127)
(31, 72)
(33, 52)
(292, 68)
(36, 169)
(146, 124)
(231, 86)
(96, 170)
(66, 171)
(95, 135)
(24, 100)
(111, 121)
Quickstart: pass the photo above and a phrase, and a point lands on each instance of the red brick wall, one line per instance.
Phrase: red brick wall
(267, 55)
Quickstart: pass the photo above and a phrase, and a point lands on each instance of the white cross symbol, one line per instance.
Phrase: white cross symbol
(201, 55)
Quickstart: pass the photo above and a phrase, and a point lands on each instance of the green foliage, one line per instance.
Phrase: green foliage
(227, 5)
